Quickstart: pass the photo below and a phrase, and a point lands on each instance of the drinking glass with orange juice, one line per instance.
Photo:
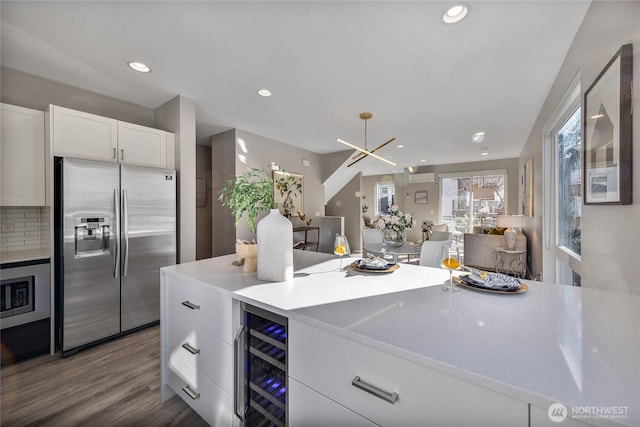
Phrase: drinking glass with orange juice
(341, 248)
(450, 261)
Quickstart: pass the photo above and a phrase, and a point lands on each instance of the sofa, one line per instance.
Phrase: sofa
(480, 251)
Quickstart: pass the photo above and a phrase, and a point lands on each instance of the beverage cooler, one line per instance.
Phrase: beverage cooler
(260, 349)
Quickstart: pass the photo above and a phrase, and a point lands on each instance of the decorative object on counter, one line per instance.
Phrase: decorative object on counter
(608, 118)
(275, 251)
(427, 224)
(248, 252)
(341, 248)
(510, 222)
(393, 226)
(288, 192)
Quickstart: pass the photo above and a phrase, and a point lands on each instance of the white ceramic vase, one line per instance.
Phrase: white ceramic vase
(275, 248)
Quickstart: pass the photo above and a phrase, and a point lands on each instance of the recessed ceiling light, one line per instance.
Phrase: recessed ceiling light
(485, 151)
(139, 67)
(478, 137)
(455, 14)
(264, 92)
(423, 160)
(399, 146)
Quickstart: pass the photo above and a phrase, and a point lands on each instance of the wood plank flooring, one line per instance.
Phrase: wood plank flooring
(113, 384)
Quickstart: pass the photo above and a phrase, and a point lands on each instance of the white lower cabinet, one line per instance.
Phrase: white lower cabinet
(197, 355)
(308, 408)
(389, 390)
(210, 401)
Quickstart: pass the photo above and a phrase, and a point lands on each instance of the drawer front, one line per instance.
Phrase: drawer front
(330, 364)
(201, 351)
(311, 409)
(212, 403)
(205, 308)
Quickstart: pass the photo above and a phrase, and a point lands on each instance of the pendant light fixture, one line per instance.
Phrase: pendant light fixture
(365, 152)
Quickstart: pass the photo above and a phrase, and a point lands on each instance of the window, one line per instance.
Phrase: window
(472, 199)
(569, 182)
(385, 196)
(562, 190)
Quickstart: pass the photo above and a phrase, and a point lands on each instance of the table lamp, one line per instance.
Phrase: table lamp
(510, 222)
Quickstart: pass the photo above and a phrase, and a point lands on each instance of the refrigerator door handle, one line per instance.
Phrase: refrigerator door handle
(239, 406)
(116, 232)
(125, 229)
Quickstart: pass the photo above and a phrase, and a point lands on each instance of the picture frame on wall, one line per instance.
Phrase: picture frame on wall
(607, 124)
(288, 192)
(421, 197)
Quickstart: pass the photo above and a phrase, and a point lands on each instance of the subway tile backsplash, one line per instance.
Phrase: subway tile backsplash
(23, 228)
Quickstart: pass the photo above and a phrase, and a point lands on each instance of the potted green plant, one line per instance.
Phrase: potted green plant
(250, 194)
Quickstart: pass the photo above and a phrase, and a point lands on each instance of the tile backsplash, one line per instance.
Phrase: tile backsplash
(24, 228)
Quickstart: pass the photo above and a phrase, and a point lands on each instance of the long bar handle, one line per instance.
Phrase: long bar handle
(236, 374)
(116, 233)
(191, 349)
(125, 229)
(379, 393)
(191, 305)
(192, 394)
(114, 152)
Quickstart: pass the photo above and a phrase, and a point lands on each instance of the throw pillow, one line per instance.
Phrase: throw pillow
(497, 230)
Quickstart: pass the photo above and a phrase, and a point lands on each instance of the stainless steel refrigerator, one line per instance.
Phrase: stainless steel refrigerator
(115, 226)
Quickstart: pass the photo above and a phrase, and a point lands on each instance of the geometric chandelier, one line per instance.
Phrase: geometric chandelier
(365, 152)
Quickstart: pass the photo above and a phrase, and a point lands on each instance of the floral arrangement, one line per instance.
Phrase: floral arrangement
(426, 225)
(394, 220)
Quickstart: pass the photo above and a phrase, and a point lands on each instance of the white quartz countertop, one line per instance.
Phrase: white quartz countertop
(554, 343)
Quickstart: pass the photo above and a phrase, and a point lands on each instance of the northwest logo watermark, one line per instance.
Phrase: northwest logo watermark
(557, 412)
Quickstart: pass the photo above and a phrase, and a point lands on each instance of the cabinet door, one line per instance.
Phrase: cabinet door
(392, 391)
(141, 145)
(22, 153)
(310, 409)
(83, 135)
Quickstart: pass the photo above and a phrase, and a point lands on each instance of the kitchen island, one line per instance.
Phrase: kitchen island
(472, 358)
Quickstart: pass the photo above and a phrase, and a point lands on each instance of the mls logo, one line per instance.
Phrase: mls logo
(557, 412)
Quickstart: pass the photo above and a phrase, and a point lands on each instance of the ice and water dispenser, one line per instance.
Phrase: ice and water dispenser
(92, 235)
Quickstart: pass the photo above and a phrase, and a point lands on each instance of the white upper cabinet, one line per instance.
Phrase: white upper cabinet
(83, 135)
(141, 145)
(88, 136)
(22, 157)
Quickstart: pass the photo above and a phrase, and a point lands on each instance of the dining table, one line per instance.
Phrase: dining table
(382, 250)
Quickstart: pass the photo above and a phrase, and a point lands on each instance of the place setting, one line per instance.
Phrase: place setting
(491, 282)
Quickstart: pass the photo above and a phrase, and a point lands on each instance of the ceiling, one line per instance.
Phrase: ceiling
(431, 85)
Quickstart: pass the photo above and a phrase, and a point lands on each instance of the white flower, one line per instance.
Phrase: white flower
(393, 208)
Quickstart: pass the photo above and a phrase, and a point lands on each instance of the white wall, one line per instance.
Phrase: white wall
(610, 234)
(346, 203)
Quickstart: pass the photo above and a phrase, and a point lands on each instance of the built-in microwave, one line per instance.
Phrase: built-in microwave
(16, 296)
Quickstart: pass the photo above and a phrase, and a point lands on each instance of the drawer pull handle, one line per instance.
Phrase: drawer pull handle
(191, 305)
(388, 397)
(190, 348)
(192, 394)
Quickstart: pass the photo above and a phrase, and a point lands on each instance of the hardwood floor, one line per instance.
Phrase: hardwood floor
(113, 384)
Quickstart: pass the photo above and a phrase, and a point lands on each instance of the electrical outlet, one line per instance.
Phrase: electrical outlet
(8, 225)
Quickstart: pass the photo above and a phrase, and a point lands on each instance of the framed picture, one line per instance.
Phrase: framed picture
(526, 188)
(607, 118)
(422, 197)
(288, 189)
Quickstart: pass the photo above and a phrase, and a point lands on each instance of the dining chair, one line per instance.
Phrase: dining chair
(440, 235)
(430, 252)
